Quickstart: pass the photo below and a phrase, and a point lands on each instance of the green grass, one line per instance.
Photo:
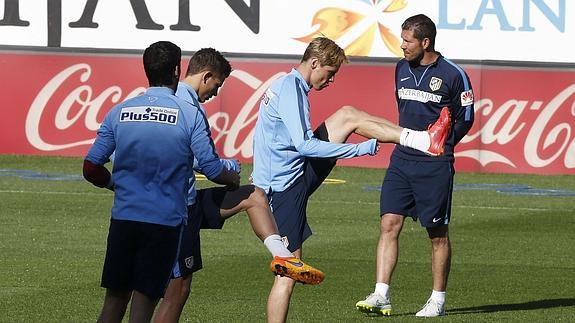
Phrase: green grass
(513, 256)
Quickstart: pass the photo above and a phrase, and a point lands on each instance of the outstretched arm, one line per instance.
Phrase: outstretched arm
(295, 117)
(207, 158)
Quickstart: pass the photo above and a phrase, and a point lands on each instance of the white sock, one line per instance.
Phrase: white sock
(276, 246)
(415, 139)
(382, 289)
(439, 297)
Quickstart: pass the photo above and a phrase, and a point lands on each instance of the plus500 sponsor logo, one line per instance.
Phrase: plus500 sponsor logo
(149, 114)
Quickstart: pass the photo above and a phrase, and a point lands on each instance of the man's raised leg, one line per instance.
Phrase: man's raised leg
(348, 120)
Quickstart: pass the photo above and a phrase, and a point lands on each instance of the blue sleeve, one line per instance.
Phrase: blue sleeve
(462, 106)
(229, 164)
(203, 148)
(195, 166)
(104, 145)
(296, 118)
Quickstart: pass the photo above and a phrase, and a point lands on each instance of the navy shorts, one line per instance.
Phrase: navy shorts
(289, 206)
(140, 256)
(421, 190)
(204, 214)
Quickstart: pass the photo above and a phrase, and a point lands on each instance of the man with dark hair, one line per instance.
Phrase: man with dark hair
(291, 161)
(416, 185)
(209, 208)
(155, 137)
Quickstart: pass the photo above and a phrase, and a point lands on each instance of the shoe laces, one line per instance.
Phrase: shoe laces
(377, 299)
(432, 306)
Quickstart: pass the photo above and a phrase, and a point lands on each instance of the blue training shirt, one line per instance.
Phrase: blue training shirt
(422, 92)
(155, 137)
(188, 94)
(283, 137)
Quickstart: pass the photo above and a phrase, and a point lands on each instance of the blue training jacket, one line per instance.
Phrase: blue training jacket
(188, 94)
(155, 137)
(283, 137)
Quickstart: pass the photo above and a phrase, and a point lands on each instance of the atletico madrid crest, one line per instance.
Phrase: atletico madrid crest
(435, 83)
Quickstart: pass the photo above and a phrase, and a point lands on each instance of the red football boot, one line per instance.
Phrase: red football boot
(438, 132)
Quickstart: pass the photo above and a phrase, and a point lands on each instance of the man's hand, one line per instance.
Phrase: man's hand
(98, 175)
(229, 178)
(232, 164)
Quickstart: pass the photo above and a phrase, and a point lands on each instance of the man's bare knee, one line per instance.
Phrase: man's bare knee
(178, 290)
(349, 113)
(258, 197)
(391, 224)
(342, 123)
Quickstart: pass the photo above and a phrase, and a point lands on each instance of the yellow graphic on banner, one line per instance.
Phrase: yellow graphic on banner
(357, 30)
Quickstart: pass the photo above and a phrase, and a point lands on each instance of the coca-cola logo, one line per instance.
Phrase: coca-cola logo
(81, 104)
(505, 125)
(509, 133)
(229, 130)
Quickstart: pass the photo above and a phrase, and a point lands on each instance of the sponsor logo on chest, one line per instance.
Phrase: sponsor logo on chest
(418, 95)
(149, 114)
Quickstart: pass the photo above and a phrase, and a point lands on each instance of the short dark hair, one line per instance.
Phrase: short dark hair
(160, 62)
(209, 59)
(422, 27)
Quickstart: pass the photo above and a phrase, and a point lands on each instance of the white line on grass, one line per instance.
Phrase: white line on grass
(54, 192)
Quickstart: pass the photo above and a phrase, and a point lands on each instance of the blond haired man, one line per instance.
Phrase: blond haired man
(291, 160)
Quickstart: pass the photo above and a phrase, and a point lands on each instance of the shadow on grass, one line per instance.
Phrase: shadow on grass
(534, 305)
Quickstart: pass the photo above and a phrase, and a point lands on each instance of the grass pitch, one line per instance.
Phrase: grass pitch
(512, 235)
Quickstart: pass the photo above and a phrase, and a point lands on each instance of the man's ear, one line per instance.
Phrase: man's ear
(177, 72)
(206, 76)
(426, 43)
(314, 63)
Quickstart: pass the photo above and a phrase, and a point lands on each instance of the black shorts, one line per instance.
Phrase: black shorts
(289, 206)
(418, 189)
(204, 214)
(140, 256)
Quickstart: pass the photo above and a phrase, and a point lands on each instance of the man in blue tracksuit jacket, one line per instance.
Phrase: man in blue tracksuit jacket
(155, 137)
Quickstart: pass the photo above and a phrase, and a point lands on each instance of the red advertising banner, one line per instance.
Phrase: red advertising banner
(54, 103)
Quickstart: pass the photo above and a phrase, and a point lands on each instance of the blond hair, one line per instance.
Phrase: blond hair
(326, 51)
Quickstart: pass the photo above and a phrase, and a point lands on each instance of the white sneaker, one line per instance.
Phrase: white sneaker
(375, 303)
(431, 309)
